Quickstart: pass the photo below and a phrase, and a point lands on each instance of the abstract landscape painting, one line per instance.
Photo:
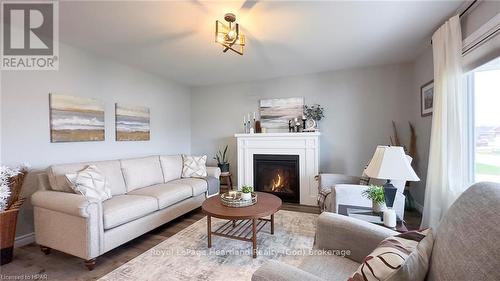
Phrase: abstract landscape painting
(75, 119)
(132, 123)
(275, 113)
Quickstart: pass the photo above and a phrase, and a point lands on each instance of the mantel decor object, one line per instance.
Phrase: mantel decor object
(312, 115)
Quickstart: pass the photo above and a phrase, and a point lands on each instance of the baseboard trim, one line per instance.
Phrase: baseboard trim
(24, 240)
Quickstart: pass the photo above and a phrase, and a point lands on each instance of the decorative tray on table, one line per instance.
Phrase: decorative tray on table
(234, 199)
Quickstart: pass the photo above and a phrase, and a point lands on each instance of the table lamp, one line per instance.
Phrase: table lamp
(390, 163)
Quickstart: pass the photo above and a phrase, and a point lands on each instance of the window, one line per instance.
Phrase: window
(485, 86)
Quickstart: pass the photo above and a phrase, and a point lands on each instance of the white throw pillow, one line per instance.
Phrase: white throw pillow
(194, 166)
(90, 182)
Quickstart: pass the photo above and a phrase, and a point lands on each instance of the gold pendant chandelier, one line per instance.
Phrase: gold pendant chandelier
(229, 35)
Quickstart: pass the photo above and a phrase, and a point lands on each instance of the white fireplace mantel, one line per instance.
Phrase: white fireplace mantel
(305, 145)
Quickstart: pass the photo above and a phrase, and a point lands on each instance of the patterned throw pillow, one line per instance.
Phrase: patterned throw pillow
(401, 257)
(365, 179)
(194, 166)
(90, 182)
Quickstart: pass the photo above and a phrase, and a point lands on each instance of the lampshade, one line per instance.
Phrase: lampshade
(390, 163)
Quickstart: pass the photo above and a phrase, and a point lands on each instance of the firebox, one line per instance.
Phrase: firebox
(277, 174)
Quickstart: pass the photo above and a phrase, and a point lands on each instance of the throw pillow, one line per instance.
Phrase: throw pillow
(194, 166)
(90, 182)
(365, 179)
(401, 257)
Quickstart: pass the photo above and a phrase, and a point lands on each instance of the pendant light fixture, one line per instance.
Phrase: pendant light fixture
(229, 35)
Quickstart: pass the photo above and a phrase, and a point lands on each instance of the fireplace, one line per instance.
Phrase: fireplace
(277, 174)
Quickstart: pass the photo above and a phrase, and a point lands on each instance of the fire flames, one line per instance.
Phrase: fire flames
(278, 183)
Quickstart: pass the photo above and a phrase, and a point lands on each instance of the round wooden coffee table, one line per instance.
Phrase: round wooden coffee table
(243, 223)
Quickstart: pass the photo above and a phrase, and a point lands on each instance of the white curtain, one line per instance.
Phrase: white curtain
(448, 170)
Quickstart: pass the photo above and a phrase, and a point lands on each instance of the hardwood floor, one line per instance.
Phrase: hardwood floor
(30, 261)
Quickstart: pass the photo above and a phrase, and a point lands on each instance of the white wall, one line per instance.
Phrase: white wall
(359, 107)
(423, 72)
(25, 127)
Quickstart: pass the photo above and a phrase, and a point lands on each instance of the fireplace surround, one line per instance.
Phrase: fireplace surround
(303, 145)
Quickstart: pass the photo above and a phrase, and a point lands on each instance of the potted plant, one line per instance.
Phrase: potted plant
(313, 113)
(221, 158)
(246, 192)
(11, 182)
(376, 194)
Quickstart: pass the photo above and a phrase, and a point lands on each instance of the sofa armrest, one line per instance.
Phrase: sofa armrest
(338, 232)
(43, 181)
(330, 180)
(277, 271)
(68, 203)
(213, 172)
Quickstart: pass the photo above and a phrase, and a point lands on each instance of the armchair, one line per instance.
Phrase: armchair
(346, 190)
(335, 189)
(465, 243)
(334, 232)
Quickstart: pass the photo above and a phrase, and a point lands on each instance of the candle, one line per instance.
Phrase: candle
(390, 218)
(244, 119)
(248, 117)
(254, 115)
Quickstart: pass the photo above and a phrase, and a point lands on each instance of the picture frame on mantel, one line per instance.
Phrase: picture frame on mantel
(427, 99)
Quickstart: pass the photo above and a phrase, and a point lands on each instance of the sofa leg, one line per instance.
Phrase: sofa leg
(90, 264)
(45, 250)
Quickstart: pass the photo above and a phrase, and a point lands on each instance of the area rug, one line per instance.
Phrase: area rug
(185, 256)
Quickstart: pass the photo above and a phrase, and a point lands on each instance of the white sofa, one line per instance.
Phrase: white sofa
(147, 192)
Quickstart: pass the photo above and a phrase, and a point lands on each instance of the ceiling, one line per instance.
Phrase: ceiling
(176, 39)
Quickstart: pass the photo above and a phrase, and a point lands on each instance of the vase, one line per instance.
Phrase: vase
(246, 196)
(378, 207)
(224, 168)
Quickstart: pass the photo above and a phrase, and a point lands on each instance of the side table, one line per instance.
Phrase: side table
(226, 183)
(366, 214)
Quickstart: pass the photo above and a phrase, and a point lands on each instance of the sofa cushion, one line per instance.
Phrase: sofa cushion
(125, 208)
(141, 172)
(110, 169)
(166, 194)
(198, 186)
(171, 166)
(91, 183)
(401, 257)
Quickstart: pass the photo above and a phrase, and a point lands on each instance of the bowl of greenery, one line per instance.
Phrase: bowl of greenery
(376, 194)
(246, 192)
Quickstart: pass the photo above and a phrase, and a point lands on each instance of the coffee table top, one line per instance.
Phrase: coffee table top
(267, 204)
